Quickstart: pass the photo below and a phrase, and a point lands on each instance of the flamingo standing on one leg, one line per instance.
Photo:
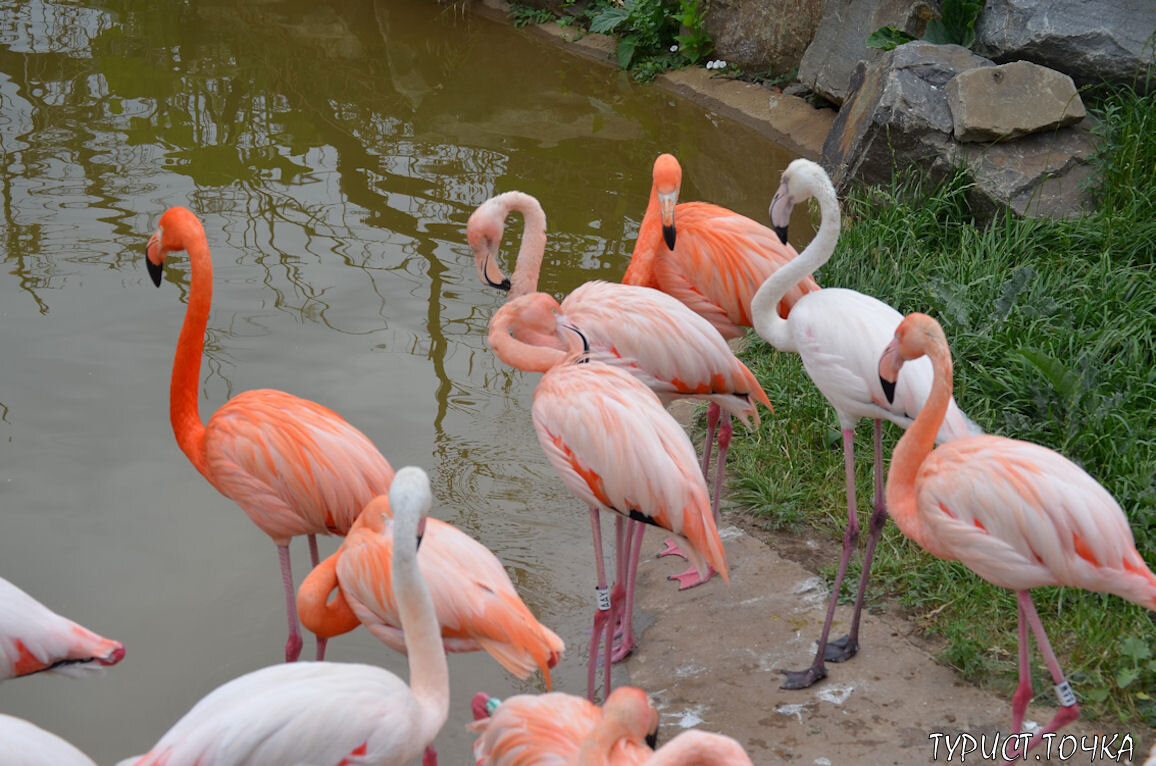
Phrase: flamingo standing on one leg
(26, 744)
(295, 467)
(1017, 514)
(330, 712)
(611, 442)
(475, 601)
(35, 639)
(839, 335)
(560, 728)
(713, 260)
(671, 349)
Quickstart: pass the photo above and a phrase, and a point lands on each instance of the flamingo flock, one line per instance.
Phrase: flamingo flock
(611, 356)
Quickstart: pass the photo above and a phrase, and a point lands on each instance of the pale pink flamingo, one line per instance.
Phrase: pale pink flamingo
(839, 335)
(613, 445)
(475, 601)
(559, 729)
(545, 729)
(294, 467)
(713, 260)
(35, 639)
(1017, 514)
(26, 744)
(330, 712)
(655, 337)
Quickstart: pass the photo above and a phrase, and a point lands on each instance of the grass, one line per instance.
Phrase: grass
(1053, 329)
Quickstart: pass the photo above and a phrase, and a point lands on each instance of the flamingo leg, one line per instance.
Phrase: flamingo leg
(293, 645)
(429, 757)
(1069, 710)
(690, 578)
(602, 623)
(1023, 692)
(315, 557)
(626, 642)
(801, 679)
(712, 417)
(842, 649)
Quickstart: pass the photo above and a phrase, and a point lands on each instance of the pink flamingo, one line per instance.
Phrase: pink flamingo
(1017, 514)
(672, 350)
(560, 728)
(613, 445)
(35, 639)
(26, 744)
(330, 712)
(713, 261)
(294, 467)
(839, 335)
(475, 601)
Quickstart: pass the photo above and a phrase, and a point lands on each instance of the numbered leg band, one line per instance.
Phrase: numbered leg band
(1065, 693)
(603, 599)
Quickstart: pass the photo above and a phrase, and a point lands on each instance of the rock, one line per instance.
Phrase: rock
(841, 39)
(762, 35)
(1090, 41)
(897, 113)
(897, 116)
(1004, 102)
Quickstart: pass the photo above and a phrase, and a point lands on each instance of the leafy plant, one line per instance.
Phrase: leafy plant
(695, 44)
(649, 36)
(524, 15)
(955, 26)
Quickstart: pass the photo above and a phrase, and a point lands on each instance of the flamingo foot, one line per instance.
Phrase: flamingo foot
(1064, 716)
(841, 649)
(624, 643)
(802, 679)
(623, 647)
(671, 549)
(691, 578)
(430, 757)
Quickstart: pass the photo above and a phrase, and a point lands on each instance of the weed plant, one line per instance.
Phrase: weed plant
(1053, 331)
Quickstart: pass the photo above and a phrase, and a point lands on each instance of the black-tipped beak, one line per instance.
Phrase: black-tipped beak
(156, 271)
(504, 285)
(585, 341)
(668, 236)
(420, 536)
(888, 389)
(652, 740)
(781, 231)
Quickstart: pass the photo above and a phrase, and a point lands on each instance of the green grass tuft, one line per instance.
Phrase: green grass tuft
(1053, 331)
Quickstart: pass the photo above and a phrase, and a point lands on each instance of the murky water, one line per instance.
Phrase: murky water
(334, 152)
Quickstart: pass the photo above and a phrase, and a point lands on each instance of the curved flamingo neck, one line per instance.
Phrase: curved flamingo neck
(429, 677)
(764, 306)
(514, 351)
(917, 443)
(533, 247)
(323, 617)
(640, 270)
(183, 411)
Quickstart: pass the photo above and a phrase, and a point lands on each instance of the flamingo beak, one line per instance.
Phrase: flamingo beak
(666, 203)
(889, 364)
(502, 282)
(780, 212)
(420, 533)
(155, 268)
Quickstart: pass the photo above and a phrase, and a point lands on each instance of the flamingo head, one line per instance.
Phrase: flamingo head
(667, 181)
(483, 706)
(915, 336)
(798, 183)
(177, 228)
(484, 233)
(630, 713)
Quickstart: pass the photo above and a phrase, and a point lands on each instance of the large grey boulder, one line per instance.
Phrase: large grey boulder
(1090, 40)
(897, 116)
(841, 39)
(762, 35)
(1011, 100)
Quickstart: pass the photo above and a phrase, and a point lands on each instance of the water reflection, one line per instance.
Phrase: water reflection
(334, 153)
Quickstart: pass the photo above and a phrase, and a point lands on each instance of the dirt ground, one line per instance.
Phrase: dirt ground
(710, 657)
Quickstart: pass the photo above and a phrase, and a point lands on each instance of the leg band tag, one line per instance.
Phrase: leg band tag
(603, 599)
(1065, 693)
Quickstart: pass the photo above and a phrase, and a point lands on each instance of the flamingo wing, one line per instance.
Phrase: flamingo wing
(662, 342)
(305, 712)
(26, 744)
(33, 638)
(535, 730)
(615, 447)
(474, 599)
(294, 466)
(1021, 515)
